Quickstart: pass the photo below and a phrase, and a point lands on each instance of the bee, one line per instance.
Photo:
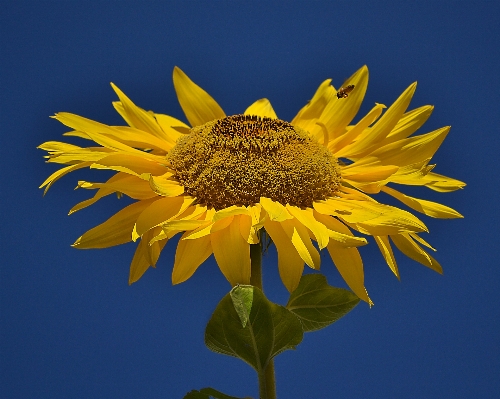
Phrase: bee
(344, 91)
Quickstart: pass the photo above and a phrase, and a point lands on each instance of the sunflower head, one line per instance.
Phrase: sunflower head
(223, 179)
(238, 159)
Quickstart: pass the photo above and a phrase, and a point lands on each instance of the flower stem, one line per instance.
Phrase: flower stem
(267, 382)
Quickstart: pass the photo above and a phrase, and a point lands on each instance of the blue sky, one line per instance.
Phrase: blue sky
(71, 327)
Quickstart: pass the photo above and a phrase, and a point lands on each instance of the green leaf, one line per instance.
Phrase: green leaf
(318, 304)
(270, 329)
(207, 393)
(242, 297)
(197, 395)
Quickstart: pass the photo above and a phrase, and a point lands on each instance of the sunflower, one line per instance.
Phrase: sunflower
(222, 180)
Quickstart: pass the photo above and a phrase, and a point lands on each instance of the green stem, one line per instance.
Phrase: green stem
(267, 382)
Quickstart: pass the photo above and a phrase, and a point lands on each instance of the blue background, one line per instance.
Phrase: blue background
(71, 327)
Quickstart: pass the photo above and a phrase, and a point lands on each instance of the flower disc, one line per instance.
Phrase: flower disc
(238, 159)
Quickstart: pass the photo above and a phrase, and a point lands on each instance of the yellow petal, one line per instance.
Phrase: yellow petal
(391, 117)
(258, 215)
(377, 135)
(309, 114)
(411, 249)
(96, 130)
(232, 253)
(338, 113)
(190, 254)
(369, 188)
(299, 236)
(369, 216)
(130, 136)
(85, 125)
(115, 145)
(262, 108)
(114, 231)
(413, 174)
(230, 211)
(352, 141)
(349, 194)
(368, 173)
(73, 154)
(161, 236)
(211, 227)
(183, 225)
(57, 147)
(121, 169)
(60, 173)
(198, 106)
(392, 220)
(139, 263)
(155, 248)
(429, 208)
(385, 248)
(276, 211)
(135, 116)
(443, 184)
(165, 185)
(161, 211)
(145, 255)
(350, 266)
(102, 192)
(137, 164)
(352, 211)
(172, 127)
(248, 234)
(198, 212)
(140, 139)
(253, 236)
(290, 264)
(131, 186)
(419, 239)
(410, 122)
(411, 150)
(339, 232)
(306, 217)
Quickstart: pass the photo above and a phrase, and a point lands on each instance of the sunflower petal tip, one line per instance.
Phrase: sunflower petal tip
(177, 71)
(116, 89)
(175, 280)
(135, 235)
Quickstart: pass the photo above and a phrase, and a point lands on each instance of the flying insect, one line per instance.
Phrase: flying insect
(344, 91)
